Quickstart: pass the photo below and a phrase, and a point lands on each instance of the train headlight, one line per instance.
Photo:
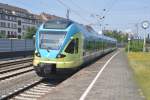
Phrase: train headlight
(37, 54)
(61, 56)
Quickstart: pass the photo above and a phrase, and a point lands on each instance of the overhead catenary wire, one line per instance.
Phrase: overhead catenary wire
(106, 10)
(77, 6)
(110, 7)
(28, 4)
(103, 15)
(83, 9)
(80, 8)
(72, 10)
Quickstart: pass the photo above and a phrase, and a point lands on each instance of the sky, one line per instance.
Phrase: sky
(119, 14)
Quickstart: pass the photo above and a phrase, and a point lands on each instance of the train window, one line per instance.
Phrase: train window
(73, 46)
(57, 24)
(70, 47)
(51, 40)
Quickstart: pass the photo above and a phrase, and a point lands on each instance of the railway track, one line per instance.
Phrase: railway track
(20, 90)
(15, 73)
(36, 89)
(15, 62)
(33, 91)
(14, 68)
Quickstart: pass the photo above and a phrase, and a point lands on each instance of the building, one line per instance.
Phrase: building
(14, 20)
(45, 17)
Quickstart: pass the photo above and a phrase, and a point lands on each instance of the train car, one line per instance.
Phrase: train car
(65, 44)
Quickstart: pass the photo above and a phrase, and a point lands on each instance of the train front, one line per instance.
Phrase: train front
(57, 47)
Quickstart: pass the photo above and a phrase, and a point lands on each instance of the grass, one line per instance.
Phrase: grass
(140, 63)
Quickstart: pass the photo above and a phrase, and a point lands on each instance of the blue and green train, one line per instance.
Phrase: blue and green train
(65, 44)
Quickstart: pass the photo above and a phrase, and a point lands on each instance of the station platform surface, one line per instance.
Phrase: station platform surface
(115, 81)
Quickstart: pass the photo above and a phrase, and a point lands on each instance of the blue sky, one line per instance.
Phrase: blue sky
(119, 14)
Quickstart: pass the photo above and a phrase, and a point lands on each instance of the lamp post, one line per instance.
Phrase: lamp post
(129, 39)
(145, 25)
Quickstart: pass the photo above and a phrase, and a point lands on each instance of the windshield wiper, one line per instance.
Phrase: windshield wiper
(48, 49)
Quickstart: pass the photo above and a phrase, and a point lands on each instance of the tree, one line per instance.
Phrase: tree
(30, 32)
(117, 35)
(2, 35)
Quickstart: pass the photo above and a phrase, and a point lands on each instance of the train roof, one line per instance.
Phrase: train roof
(108, 38)
(58, 23)
(62, 23)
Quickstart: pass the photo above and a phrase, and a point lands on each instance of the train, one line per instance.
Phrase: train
(66, 44)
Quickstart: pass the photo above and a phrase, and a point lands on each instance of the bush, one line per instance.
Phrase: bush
(30, 32)
(2, 35)
(135, 46)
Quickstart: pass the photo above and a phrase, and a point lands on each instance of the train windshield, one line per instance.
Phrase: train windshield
(51, 40)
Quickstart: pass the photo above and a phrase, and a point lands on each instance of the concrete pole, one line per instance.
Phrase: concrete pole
(129, 45)
(68, 14)
(144, 43)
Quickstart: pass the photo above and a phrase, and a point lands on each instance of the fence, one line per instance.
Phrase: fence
(15, 48)
(13, 45)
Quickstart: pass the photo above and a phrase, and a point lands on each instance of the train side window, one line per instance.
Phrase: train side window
(73, 46)
(70, 47)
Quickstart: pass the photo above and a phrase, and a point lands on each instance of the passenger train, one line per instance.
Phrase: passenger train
(65, 44)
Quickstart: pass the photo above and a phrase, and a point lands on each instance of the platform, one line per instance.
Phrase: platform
(115, 82)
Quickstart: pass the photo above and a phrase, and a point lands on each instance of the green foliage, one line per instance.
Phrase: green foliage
(30, 32)
(19, 36)
(2, 35)
(135, 45)
(118, 35)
